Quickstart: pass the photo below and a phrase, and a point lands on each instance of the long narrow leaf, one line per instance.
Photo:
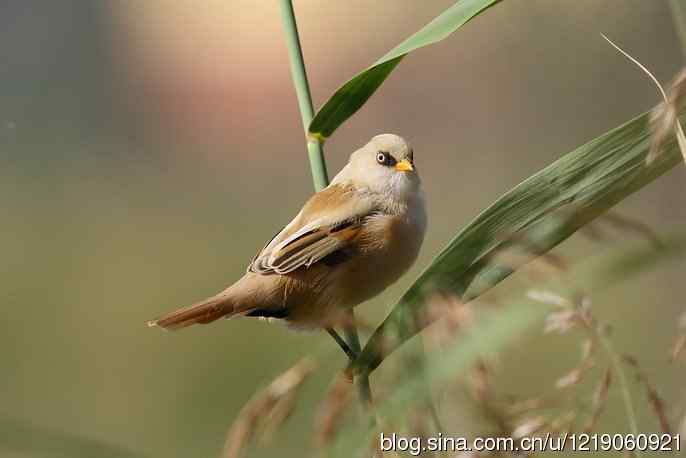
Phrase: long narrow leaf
(489, 336)
(495, 329)
(352, 95)
(543, 211)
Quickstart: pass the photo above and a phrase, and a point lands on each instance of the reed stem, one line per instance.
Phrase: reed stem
(302, 88)
(678, 8)
(316, 154)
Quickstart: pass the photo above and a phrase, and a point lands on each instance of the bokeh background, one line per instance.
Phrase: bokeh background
(148, 149)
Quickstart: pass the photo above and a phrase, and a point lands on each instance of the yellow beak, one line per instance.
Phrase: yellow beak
(404, 166)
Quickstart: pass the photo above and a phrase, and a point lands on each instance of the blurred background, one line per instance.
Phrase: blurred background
(149, 149)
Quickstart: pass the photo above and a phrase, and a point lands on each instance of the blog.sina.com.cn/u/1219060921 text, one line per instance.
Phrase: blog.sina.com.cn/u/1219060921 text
(582, 442)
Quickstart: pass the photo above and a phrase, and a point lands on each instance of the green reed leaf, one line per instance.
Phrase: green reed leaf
(352, 95)
(533, 217)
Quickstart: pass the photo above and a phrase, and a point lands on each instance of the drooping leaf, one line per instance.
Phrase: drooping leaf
(536, 215)
(495, 329)
(352, 95)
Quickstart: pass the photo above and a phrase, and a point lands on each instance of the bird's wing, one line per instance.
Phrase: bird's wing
(329, 222)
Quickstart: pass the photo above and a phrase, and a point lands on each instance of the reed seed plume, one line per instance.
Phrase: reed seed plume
(654, 398)
(529, 427)
(267, 410)
(481, 381)
(678, 347)
(575, 376)
(665, 117)
(599, 400)
(680, 341)
(331, 411)
(448, 315)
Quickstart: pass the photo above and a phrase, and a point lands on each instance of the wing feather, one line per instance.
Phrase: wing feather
(329, 221)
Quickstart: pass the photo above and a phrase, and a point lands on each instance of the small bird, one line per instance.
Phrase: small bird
(349, 242)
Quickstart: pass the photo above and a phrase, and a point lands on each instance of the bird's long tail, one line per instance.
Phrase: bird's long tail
(211, 309)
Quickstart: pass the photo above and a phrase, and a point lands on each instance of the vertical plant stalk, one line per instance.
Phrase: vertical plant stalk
(316, 155)
(678, 8)
(624, 386)
(302, 89)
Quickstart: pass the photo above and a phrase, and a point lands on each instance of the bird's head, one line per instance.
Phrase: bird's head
(385, 165)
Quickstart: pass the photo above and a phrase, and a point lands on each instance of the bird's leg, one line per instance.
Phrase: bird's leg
(341, 343)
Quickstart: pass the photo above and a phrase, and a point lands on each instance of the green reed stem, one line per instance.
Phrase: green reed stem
(302, 89)
(315, 152)
(678, 8)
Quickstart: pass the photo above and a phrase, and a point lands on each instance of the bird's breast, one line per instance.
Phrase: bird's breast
(386, 248)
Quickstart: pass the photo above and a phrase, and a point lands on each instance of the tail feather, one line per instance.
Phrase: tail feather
(203, 312)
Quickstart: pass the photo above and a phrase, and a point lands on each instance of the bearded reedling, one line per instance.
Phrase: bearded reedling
(349, 242)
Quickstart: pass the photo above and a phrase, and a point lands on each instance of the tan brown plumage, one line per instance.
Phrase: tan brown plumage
(347, 244)
(209, 310)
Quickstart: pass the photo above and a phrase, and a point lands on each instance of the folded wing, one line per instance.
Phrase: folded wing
(329, 222)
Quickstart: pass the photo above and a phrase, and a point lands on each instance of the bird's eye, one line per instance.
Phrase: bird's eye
(381, 158)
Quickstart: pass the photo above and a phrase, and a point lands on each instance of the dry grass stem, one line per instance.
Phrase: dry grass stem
(599, 400)
(527, 405)
(666, 116)
(332, 410)
(529, 427)
(678, 347)
(680, 342)
(656, 402)
(575, 376)
(481, 383)
(267, 410)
